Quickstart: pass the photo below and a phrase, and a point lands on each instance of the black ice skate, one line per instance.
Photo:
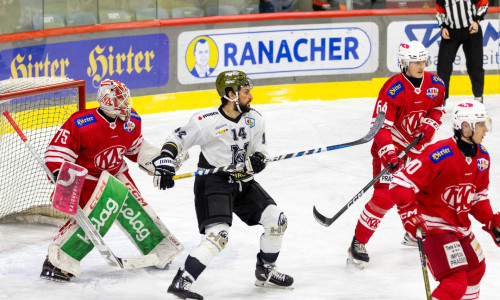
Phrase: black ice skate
(268, 276)
(357, 254)
(50, 272)
(180, 286)
(408, 240)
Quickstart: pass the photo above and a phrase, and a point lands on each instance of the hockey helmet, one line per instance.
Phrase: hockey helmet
(114, 97)
(233, 79)
(412, 51)
(472, 112)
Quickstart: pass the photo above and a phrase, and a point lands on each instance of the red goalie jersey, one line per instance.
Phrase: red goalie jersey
(445, 201)
(90, 140)
(406, 107)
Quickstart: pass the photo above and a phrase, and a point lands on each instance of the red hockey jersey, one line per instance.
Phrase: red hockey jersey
(91, 141)
(406, 107)
(447, 187)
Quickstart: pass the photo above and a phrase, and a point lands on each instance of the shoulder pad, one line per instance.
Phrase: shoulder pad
(395, 89)
(482, 164)
(440, 154)
(206, 114)
(253, 109)
(135, 115)
(437, 79)
(85, 120)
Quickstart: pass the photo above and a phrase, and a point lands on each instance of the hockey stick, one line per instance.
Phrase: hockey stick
(325, 221)
(82, 219)
(423, 263)
(377, 124)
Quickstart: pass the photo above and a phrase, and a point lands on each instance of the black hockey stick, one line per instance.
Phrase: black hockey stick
(325, 221)
(423, 263)
(377, 124)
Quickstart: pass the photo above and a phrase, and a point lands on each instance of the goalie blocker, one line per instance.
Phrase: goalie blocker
(115, 200)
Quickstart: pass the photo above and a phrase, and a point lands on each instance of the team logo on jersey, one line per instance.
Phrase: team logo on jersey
(250, 121)
(482, 164)
(110, 158)
(458, 197)
(395, 89)
(85, 120)
(432, 92)
(441, 154)
(134, 115)
(129, 126)
(437, 79)
(483, 150)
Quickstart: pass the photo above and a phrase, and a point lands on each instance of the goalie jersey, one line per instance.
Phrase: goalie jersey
(445, 201)
(90, 140)
(223, 140)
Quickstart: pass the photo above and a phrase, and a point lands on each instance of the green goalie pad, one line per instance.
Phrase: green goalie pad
(102, 210)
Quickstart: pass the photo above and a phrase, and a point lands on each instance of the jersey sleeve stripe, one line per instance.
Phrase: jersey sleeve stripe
(61, 149)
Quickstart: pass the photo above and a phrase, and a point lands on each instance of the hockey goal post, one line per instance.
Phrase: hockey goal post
(39, 106)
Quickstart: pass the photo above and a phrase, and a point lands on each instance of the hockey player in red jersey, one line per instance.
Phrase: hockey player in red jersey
(438, 190)
(99, 139)
(413, 103)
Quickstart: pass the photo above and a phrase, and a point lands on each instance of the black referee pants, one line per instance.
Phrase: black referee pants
(473, 49)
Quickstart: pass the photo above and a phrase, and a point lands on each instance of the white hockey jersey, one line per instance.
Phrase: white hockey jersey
(223, 140)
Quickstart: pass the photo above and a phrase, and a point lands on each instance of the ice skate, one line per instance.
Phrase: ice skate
(50, 272)
(181, 284)
(408, 240)
(268, 276)
(357, 254)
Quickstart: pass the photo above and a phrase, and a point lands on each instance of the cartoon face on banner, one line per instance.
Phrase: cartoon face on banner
(202, 56)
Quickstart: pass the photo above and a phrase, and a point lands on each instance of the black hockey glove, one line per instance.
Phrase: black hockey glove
(255, 163)
(164, 170)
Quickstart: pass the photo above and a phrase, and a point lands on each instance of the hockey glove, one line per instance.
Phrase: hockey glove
(164, 170)
(388, 156)
(411, 218)
(255, 163)
(493, 228)
(427, 128)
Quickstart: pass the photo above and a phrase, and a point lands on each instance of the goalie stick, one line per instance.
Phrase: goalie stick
(423, 264)
(82, 219)
(377, 124)
(325, 221)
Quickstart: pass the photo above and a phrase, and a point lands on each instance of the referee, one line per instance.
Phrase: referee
(459, 23)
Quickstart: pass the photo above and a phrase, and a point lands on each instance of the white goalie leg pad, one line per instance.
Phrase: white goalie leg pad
(169, 247)
(274, 221)
(212, 242)
(58, 257)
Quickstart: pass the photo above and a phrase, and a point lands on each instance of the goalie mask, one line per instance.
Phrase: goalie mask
(114, 98)
(413, 51)
(233, 80)
(471, 112)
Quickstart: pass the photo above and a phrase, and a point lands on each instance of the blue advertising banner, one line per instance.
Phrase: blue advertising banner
(139, 61)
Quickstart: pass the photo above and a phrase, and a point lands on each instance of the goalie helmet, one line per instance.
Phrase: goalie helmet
(114, 97)
(472, 112)
(232, 79)
(413, 51)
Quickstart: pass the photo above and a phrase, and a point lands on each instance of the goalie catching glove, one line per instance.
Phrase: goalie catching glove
(164, 171)
(411, 218)
(493, 228)
(255, 163)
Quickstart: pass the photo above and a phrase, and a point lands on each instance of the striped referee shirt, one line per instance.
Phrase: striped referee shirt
(457, 14)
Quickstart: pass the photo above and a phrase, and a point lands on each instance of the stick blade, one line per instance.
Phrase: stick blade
(321, 218)
(69, 187)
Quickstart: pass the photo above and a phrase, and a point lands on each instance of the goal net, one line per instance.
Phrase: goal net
(39, 106)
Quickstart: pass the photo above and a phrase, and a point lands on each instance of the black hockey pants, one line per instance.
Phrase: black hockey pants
(473, 49)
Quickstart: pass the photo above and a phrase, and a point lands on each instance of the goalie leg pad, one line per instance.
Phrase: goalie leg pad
(71, 245)
(144, 228)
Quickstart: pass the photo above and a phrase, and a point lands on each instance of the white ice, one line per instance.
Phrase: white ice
(314, 255)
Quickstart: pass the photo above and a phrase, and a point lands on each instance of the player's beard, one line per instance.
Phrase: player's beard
(245, 108)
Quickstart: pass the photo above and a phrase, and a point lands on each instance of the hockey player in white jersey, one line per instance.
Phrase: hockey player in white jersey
(233, 133)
